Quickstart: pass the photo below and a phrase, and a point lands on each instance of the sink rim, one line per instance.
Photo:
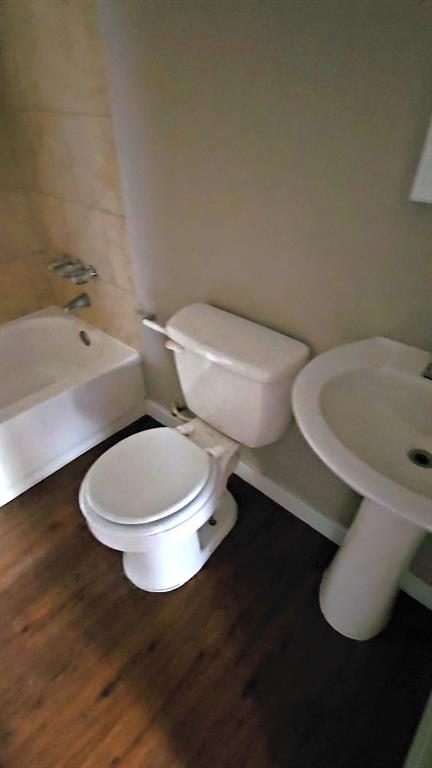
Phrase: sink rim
(374, 353)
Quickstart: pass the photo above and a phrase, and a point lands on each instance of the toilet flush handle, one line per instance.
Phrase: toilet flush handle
(173, 346)
(149, 320)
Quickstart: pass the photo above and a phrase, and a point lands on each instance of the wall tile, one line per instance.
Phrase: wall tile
(10, 171)
(4, 317)
(23, 287)
(72, 157)
(65, 195)
(17, 235)
(96, 238)
(37, 273)
(17, 53)
(52, 55)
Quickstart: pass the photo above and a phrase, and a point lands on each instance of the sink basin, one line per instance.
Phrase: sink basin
(366, 411)
(363, 407)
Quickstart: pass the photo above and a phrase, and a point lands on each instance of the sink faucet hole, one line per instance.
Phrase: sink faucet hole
(420, 458)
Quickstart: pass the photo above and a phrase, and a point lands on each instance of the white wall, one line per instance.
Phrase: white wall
(267, 151)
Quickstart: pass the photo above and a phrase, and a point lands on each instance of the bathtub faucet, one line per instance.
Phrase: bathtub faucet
(79, 302)
(64, 265)
(74, 269)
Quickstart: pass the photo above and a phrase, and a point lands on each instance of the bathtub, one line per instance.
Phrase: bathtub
(64, 387)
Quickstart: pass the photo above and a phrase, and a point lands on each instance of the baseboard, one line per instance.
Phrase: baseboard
(420, 753)
(410, 583)
(313, 517)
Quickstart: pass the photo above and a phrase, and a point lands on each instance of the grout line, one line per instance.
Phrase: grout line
(57, 111)
(4, 260)
(13, 188)
(35, 191)
(131, 292)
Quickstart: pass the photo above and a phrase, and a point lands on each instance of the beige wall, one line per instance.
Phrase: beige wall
(57, 103)
(267, 152)
(23, 283)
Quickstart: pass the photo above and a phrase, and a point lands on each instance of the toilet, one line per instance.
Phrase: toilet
(160, 496)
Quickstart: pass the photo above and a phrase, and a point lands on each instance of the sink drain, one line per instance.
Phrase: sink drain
(420, 458)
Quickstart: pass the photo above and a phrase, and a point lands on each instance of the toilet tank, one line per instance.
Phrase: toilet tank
(236, 375)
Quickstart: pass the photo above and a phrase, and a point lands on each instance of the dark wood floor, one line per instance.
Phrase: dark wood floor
(237, 668)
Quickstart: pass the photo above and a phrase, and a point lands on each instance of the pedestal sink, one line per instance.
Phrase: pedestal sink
(366, 410)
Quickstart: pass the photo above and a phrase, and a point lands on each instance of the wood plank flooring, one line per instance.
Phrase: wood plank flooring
(236, 669)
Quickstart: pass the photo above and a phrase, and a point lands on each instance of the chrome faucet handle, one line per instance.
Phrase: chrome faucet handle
(74, 269)
(83, 274)
(64, 264)
(68, 270)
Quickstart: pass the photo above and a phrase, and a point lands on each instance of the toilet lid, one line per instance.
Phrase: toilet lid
(146, 477)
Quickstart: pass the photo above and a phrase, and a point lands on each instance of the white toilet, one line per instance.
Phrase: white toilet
(160, 496)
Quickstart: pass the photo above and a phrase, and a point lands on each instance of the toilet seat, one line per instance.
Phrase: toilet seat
(147, 536)
(145, 478)
(179, 511)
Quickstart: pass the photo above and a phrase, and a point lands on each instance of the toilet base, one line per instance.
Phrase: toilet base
(169, 567)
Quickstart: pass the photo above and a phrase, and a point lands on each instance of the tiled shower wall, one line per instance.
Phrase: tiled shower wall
(24, 286)
(57, 107)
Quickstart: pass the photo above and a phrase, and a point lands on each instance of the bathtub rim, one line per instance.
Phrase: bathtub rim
(125, 357)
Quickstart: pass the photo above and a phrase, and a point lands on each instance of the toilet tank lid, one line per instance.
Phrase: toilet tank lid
(247, 348)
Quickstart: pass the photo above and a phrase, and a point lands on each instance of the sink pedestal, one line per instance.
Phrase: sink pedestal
(359, 587)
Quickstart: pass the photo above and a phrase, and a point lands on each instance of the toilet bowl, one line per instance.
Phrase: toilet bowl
(160, 498)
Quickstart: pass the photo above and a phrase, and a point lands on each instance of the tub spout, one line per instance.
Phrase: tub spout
(79, 302)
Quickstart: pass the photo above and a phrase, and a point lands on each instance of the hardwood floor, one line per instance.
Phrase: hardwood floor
(237, 668)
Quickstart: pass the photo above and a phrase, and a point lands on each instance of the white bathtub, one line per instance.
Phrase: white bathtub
(59, 396)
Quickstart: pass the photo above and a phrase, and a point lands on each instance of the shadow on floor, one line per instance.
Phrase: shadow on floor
(237, 668)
